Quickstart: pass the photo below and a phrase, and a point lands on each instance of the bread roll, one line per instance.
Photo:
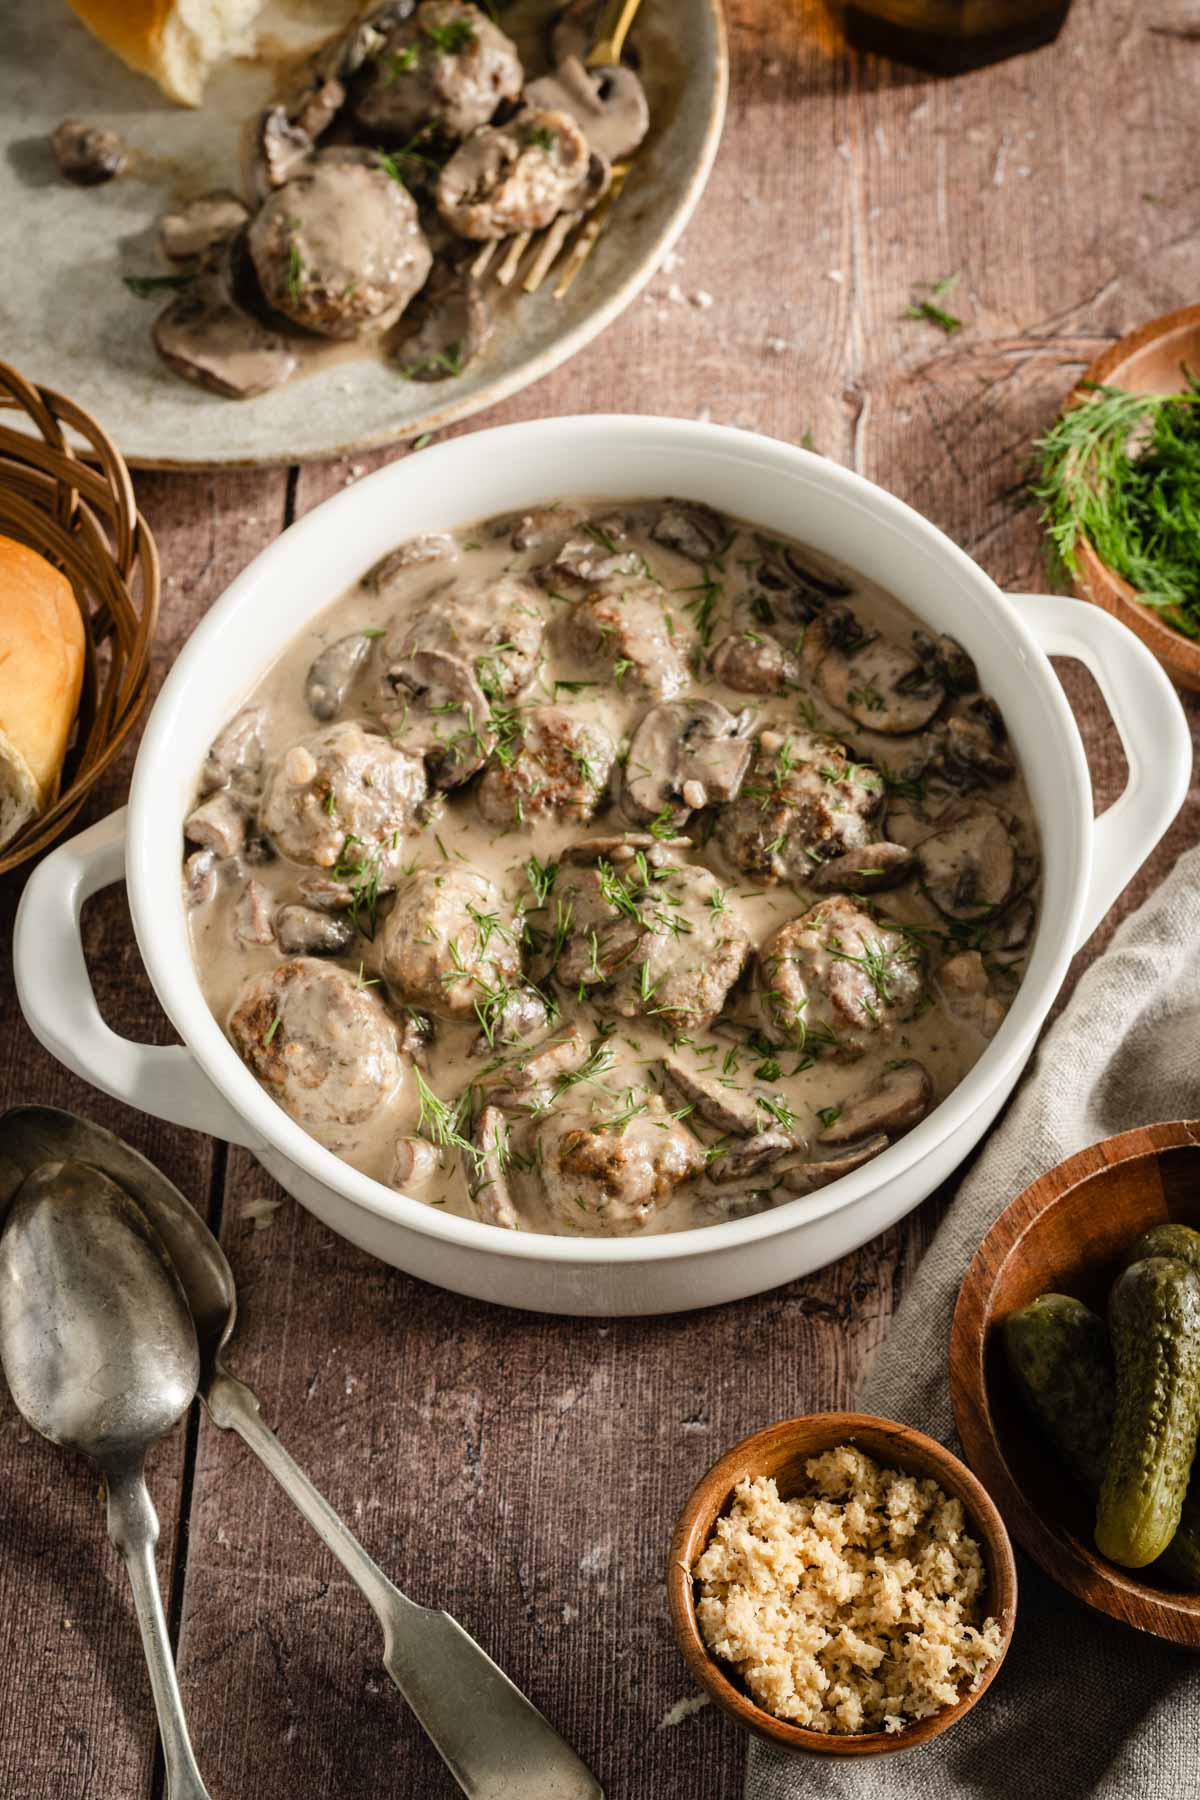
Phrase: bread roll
(41, 673)
(175, 42)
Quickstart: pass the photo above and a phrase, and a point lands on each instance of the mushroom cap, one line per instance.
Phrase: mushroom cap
(607, 102)
(877, 683)
(680, 742)
(970, 868)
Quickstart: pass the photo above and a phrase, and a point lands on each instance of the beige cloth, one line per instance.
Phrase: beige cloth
(1083, 1706)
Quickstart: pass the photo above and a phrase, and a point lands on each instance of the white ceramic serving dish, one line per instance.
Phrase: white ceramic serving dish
(203, 1083)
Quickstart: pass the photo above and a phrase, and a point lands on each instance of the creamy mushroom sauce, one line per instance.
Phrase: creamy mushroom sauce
(873, 782)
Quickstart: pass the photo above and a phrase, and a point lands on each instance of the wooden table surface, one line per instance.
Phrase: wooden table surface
(524, 1471)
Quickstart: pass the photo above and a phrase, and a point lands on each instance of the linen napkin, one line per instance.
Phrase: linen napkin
(1082, 1706)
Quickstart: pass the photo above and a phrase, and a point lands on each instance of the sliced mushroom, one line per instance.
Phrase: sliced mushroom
(967, 991)
(807, 1177)
(252, 916)
(538, 526)
(489, 1183)
(728, 1108)
(1010, 936)
(236, 753)
(526, 1082)
(209, 338)
(865, 871)
(753, 1158)
(695, 530)
(445, 717)
(972, 744)
(753, 662)
(880, 685)
(453, 327)
(87, 154)
(947, 661)
(899, 1099)
(969, 870)
(331, 673)
(218, 823)
(430, 547)
(802, 589)
(685, 754)
(276, 148)
(623, 849)
(306, 931)
(593, 557)
(607, 102)
(199, 226)
(200, 873)
(415, 1162)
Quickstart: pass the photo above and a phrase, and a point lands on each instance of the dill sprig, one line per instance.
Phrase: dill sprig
(923, 304)
(1122, 471)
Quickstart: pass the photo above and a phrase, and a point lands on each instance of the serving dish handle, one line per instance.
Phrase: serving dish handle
(1150, 722)
(56, 995)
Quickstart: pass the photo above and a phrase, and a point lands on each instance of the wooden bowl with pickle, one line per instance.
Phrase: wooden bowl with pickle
(1032, 1386)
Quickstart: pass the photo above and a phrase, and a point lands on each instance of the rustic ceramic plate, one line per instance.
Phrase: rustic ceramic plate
(68, 321)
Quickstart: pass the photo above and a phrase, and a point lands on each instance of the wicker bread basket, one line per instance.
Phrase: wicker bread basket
(81, 515)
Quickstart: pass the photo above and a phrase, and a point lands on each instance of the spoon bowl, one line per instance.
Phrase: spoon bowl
(96, 1338)
(98, 1345)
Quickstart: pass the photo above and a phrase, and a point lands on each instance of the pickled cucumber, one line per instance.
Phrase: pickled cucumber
(1154, 1327)
(1059, 1354)
(1167, 1239)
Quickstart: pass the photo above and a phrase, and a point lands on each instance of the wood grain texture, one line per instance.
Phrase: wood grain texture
(1067, 1233)
(527, 1472)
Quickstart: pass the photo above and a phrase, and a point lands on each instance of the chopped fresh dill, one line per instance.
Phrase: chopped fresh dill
(923, 304)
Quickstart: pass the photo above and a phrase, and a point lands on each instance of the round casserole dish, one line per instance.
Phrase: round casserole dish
(203, 1083)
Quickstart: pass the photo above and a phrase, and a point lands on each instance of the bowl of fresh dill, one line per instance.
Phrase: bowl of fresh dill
(1118, 476)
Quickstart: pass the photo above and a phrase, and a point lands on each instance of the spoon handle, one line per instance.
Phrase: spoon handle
(494, 1741)
(133, 1528)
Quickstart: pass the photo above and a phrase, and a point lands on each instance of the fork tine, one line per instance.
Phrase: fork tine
(517, 247)
(581, 249)
(551, 244)
(484, 258)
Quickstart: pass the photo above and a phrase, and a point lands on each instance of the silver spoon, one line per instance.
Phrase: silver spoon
(100, 1353)
(494, 1741)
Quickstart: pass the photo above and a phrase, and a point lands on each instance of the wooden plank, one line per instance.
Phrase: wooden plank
(77, 1717)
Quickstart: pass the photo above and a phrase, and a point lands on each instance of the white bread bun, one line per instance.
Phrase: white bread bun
(41, 674)
(175, 42)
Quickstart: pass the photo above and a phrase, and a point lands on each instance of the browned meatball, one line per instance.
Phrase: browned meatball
(802, 802)
(659, 942)
(519, 176)
(559, 766)
(450, 946)
(320, 1042)
(445, 70)
(342, 794)
(611, 1177)
(837, 978)
(339, 248)
(496, 627)
(630, 632)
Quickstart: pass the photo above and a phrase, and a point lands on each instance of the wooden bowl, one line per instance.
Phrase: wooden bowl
(85, 521)
(1067, 1233)
(780, 1451)
(1150, 360)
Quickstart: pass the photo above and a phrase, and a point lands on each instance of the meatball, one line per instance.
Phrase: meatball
(836, 977)
(444, 71)
(495, 626)
(339, 248)
(343, 794)
(629, 631)
(519, 176)
(609, 1177)
(652, 941)
(450, 946)
(559, 767)
(802, 802)
(320, 1042)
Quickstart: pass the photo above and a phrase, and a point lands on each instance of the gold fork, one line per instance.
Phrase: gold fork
(618, 18)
